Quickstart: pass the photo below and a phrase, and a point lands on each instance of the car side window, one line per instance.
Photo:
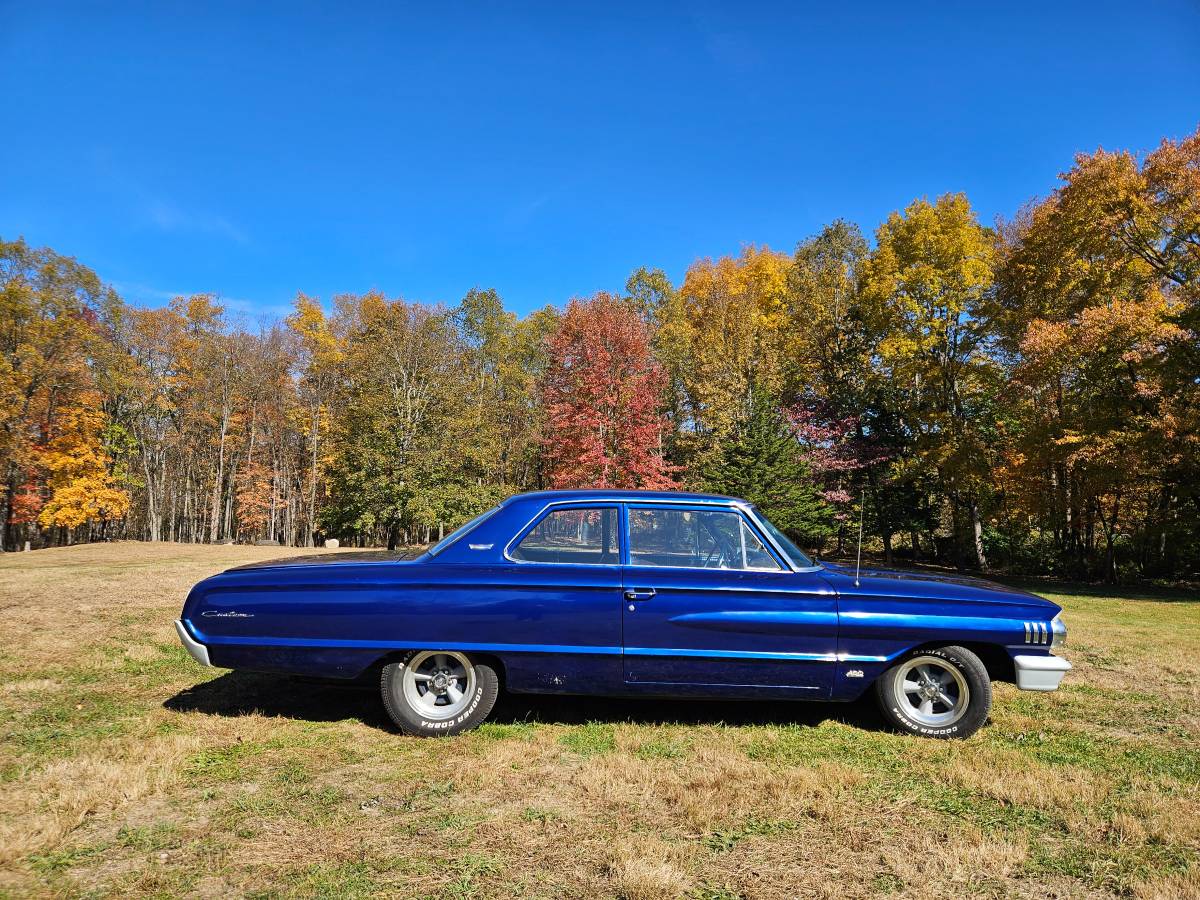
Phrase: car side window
(695, 539)
(577, 536)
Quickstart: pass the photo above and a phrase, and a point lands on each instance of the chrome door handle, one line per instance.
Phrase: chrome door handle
(640, 594)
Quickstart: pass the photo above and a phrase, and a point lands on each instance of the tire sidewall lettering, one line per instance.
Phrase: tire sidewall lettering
(412, 721)
(462, 717)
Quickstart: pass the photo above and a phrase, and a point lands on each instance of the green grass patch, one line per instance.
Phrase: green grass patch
(471, 869)
(60, 722)
(710, 891)
(1111, 867)
(346, 881)
(662, 748)
(147, 838)
(590, 739)
(541, 816)
(724, 840)
(505, 731)
(56, 862)
(229, 763)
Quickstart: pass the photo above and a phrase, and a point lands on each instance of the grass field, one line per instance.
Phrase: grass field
(126, 769)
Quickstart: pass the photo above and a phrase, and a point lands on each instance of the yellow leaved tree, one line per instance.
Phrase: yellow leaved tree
(926, 290)
(78, 470)
(732, 314)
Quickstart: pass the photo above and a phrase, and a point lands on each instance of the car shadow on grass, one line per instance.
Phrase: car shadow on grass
(251, 693)
(562, 710)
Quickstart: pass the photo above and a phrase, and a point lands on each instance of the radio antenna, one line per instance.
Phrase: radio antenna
(861, 506)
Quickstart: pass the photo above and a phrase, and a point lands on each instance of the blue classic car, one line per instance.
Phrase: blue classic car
(632, 593)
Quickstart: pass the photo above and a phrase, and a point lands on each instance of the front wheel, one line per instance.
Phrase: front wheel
(939, 693)
(438, 692)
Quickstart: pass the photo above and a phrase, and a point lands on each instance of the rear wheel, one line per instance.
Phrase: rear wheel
(438, 692)
(939, 693)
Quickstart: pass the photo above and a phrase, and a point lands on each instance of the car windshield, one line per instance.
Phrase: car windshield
(794, 553)
(459, 532)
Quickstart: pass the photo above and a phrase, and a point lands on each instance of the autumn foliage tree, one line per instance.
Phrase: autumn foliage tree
(53, 346)
(1024, 396)
(602, 396)
(80, 480)
(926, 287)
(1098, 296)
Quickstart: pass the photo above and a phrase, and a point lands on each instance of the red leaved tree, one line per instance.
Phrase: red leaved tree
(602, 395)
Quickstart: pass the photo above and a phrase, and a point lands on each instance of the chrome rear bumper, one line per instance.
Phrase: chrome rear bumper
(1040, 673)
(195, 649)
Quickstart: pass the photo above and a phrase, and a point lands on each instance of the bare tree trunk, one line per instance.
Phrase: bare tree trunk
(214, 525)
(1110, 534)
(977, 532)
(10, 490)
(311, 525)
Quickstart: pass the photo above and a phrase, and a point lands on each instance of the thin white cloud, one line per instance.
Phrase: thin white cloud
(726, 42)
(238, 307)
(152, 208)
(522, 214)
(166, 216)
(144, 295)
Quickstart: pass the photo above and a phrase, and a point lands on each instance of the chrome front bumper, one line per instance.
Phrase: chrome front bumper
(1040, 673)
(195, 649)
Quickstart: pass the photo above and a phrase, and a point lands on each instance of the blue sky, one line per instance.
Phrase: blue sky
(547, 150)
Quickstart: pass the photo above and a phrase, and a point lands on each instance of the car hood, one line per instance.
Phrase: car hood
(928, 585)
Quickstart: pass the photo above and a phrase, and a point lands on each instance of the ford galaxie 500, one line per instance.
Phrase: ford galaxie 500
(633, 593)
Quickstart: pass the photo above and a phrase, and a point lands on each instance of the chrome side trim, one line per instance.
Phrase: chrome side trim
(730, 654)
(785, 687)
(195, 649)
(541, 649)
(1040, 673)
(633, 565)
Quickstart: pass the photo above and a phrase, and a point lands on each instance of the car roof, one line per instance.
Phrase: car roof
(617, 494)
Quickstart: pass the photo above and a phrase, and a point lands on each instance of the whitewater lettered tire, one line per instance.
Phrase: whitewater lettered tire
(431, 693)
(940, 693)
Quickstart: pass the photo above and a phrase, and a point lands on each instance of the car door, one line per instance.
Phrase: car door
(559, 596)
(710, 607)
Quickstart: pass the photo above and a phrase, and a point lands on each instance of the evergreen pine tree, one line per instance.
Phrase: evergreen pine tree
(762, 462)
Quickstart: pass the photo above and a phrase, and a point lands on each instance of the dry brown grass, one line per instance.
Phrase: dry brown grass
(127, 770)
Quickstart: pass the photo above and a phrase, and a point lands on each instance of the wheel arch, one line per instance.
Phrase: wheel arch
(372, 672)
(995, 657)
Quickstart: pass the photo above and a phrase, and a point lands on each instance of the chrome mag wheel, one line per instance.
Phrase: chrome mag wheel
(931, 691)
(439, 684)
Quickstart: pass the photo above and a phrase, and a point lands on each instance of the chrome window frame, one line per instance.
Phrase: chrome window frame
(752, 514)
(590, 503)
(622, 504)
(782, 563)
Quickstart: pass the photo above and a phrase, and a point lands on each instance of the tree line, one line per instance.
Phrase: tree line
(1022, 395)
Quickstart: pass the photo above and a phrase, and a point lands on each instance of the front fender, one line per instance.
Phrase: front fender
(875, 630)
